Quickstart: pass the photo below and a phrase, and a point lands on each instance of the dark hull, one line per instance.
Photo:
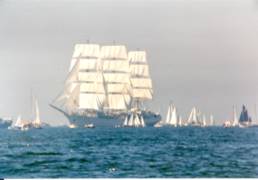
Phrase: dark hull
(109, 121)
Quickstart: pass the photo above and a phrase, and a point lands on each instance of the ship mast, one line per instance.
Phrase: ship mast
(141, 83)
(115, 68)
(84, 88)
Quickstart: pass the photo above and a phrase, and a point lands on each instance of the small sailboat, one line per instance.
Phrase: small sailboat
(211, 120)
(20, 124)
(134, 120)
(203, 120)
(171, 118)
(245, 120)
(194, 118)
(227, 124)
(180, 121)
(36, 123)
(235, 119)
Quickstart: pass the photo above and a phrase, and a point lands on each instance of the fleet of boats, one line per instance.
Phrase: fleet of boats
(107, 86)
(243, 121)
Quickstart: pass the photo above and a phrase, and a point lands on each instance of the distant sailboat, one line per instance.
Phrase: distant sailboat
(211, 120)
(37, 122)
(245, 120)
(204, 121)
(180, 121)
(235, 119)
(135, 119)
(171, 119)
(194, 118)
(20, 124)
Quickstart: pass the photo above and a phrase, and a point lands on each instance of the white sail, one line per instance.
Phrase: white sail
(115, 67)
(235, 119)
(173, 120)
(140, 77)
(131, 120)
(211, 120)
(194, 116)
(142, 121)
(18, 122)
(37, 120)
(204, 120)
(126, 121)
(168, 118)
(137, 122)
(180, 121)
(84, 86)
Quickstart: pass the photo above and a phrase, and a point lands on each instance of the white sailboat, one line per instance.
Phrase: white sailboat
(204, 121)
(36, 123)
(180, 121)
(235, 119)
(135, 120)
(234, 122)
(194, 118)
(20, 124)
(171, 118)
(211, 120)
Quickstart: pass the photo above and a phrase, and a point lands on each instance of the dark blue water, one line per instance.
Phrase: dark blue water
(148, 152)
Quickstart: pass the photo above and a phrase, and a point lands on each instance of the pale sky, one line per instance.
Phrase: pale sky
(201, 53)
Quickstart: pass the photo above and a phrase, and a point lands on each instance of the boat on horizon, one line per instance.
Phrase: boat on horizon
(195, 119)
(172, 118)
(36, 123)
(104, 84)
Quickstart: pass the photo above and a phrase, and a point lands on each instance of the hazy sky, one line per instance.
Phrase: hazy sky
(201, 52)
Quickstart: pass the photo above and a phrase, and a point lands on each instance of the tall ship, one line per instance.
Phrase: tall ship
(105, 84)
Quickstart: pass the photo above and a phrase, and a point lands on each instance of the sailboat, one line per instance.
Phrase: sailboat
(180, 121)
(20, 124)
(171, 118)
(194, 118)
(103, 85)
(245, 120)
(36, 123)
(203, 120)
(235, 119)
(211, 120)
(234, 122)
(135, 119)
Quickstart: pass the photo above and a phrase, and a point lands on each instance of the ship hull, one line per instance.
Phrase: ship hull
(108, 121)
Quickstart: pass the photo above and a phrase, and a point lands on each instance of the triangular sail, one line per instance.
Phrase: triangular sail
(126, 121)
(180, 121)
(211, 120)
(142, 121)
(137, 121)
(204, 120)
(18, 122)
(235, 119)
(131, 120)
(168, 114)
(37, 116)
(173, 120)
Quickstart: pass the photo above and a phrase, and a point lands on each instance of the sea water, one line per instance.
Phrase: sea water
(128, 152)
